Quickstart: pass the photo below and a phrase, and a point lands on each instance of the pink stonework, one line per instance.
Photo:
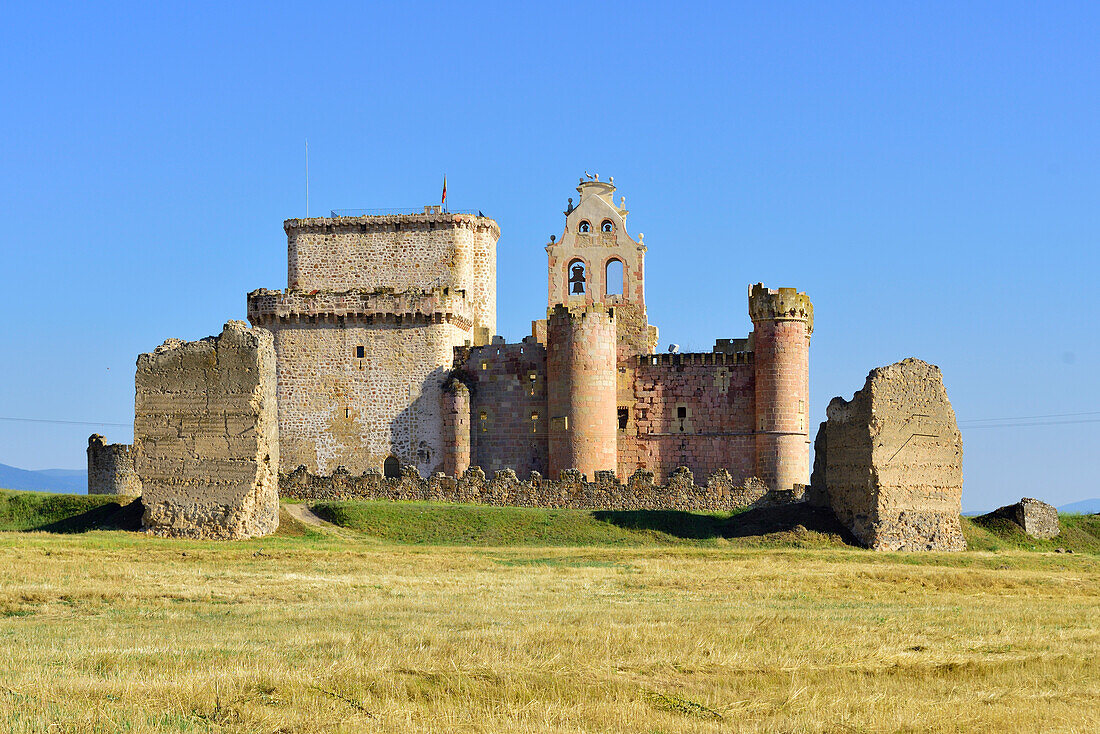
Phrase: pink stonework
(385, 350)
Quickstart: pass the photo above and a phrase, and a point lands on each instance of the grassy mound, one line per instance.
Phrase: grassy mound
(1080, 534)
(425, 523)
(67, 513)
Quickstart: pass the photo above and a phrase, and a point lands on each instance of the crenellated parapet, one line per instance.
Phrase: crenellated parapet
(780, 304)
(437, 305)
(431, 219)
(577, 313)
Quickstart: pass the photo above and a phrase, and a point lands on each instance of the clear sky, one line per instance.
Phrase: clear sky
(928, 172)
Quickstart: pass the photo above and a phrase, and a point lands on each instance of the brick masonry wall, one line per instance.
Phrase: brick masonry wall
(570, 490)
(716, 395)
(397, 252)
(339, 409)
(206, 446)
(581, 389)
(111, 468)
(509, 415)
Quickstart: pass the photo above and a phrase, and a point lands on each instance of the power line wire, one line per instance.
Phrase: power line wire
(66, 423)
(1029, 417)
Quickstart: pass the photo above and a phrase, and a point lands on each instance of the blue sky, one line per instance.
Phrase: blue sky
(929, 173)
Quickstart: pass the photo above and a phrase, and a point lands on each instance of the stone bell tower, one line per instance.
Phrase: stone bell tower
(596, 261)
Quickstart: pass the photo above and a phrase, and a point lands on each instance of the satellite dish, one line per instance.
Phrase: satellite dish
(673, 348)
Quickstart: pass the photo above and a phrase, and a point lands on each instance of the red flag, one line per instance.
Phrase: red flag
(444, 199)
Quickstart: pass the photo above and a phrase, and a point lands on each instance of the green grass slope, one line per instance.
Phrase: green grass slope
(425, 523)
(67, 513)
(1079, 533)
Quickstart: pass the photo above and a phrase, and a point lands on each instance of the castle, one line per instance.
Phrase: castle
(386, 357)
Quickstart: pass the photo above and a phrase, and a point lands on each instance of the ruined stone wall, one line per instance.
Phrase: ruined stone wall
(694, 410)
(581, 389)
(397, 252)
(111, 468)
(782, 323)
(570, 490)
(509, 415)
(206, 445)
(337, 408)
(893, 460)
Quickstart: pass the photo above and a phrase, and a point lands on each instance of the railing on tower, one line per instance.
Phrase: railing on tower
(334, 213)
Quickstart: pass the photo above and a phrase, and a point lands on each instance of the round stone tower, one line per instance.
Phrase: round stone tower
(581, 379)
(456, 428)
(783, 320)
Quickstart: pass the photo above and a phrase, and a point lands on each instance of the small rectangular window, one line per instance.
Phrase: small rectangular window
(624, 418)
(359, 352)
(484, 365)
(681, 412)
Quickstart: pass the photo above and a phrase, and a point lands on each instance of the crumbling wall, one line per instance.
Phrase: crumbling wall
(571, 490)
(206, 445)
(1035, 517)
(694, 410)
(893, 460)
(111, 468)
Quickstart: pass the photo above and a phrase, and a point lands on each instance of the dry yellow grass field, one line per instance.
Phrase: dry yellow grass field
(113, 631)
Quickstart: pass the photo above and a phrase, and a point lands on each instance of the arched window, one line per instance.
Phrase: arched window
(584, 228)
(392, 468)
(613, 278)
(578, 283)
(607, 226)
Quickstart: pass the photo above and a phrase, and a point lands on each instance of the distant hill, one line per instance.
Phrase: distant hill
(1084, 507)
(68, 481)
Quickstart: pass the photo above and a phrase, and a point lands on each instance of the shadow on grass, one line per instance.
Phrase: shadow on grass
(785, 519)
(110, 516)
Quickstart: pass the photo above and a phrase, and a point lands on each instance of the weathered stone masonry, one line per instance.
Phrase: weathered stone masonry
(891, 463)
(571, 490)
(384, 315)
(111, 468)
(206, 444)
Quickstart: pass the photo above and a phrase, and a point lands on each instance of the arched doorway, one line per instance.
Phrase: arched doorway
(391, 468)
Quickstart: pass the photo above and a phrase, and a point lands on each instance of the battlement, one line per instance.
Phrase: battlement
(679, 358)
(574, 313)
(436, 305)
(780, 304)
(431, 218)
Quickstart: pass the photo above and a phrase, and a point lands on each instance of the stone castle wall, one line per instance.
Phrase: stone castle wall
(206, 445)
(337, 408)
(694, 410)
(893, 461)
(111, 468)
(508, 406)
(570, 490)
(399, 253)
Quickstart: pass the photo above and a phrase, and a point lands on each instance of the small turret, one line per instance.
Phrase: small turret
(783, 320)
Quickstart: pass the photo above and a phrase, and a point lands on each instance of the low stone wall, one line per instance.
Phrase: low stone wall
(571, 490)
